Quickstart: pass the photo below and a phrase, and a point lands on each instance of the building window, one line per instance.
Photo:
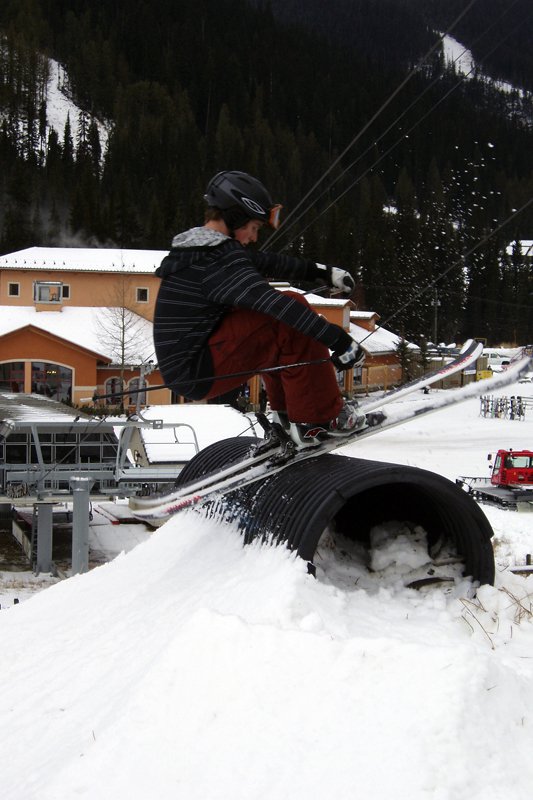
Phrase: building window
(65, 291)
(51, 380)
(15, 449)
(13, 289)
(12, 376)
(113, 385)
(142, 295)
(136, 396)
(49, 292)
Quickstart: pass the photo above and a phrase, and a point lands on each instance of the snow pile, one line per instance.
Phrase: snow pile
(195, 668)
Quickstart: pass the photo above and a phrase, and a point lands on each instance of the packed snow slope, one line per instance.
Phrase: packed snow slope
(195, 668)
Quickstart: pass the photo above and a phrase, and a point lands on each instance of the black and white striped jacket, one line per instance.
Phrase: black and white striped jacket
(204, 275)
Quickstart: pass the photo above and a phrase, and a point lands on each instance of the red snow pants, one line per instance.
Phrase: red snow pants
(249, 340)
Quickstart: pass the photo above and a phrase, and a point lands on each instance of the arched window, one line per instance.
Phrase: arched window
(136, 396)
(113, 385)
(51, 380)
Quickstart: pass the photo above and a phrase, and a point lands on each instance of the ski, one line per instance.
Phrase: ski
(468, 355)
(249, 470)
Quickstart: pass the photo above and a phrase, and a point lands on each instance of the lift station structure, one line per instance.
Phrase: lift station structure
(53, 454)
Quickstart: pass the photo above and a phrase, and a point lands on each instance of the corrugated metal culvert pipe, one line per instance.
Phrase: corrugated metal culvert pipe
(297, 505)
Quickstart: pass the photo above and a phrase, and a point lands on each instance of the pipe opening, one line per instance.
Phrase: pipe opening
(402, 502)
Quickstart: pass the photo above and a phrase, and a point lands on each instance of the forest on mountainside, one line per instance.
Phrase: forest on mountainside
(498, 32)
(191, 88)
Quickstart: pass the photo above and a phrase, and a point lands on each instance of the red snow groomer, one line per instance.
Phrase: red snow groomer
(510, 484)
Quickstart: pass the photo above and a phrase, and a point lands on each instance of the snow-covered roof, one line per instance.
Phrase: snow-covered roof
(85, 326)
(377, 342)
(354, 315)
(318, 300)
(84, 259)
(311, 297)
(24, 408)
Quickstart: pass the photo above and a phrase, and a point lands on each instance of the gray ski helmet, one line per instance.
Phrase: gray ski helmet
(238, 190)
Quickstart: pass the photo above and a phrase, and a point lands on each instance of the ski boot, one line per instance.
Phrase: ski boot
(348, 422)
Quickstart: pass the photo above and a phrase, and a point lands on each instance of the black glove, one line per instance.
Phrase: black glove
(338, 278)
(348, 355)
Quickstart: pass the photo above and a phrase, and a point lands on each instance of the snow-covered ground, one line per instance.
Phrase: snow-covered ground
(194, 668)
(59, 106)
(458, 56)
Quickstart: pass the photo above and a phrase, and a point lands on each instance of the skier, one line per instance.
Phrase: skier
(216, 314)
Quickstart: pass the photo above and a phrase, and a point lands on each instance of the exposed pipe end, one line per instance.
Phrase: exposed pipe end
(296, 505)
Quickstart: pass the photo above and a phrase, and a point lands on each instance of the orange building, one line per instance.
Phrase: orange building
(66, 315)
(58, 277)
(66, 357)
(78, 321)
(381, 369)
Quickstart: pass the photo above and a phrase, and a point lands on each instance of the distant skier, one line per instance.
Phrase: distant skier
(216, 314)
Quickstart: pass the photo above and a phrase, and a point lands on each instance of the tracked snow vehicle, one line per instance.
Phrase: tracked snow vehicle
(510, 484)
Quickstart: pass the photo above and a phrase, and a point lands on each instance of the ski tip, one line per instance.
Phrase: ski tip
(471, 346)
